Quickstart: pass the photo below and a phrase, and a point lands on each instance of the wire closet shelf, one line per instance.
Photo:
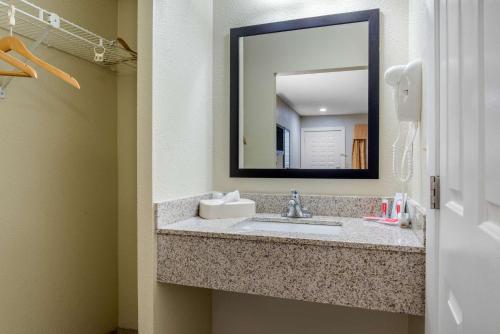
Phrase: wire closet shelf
(47, 28)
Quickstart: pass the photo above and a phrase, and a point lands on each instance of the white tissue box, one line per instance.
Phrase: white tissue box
(216, 208)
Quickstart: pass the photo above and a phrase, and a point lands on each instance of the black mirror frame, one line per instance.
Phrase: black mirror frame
(370, 16)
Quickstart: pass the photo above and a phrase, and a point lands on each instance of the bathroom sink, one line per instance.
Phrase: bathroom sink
(288, 225)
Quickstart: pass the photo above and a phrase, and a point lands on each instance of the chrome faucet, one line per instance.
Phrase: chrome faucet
(295, 209)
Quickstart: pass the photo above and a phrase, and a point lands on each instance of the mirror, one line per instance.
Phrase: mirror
(304, 98)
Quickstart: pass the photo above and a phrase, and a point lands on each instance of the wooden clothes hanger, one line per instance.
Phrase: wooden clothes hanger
(11, 43)
(26, 70)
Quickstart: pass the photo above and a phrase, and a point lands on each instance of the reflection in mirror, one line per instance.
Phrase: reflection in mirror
(327, 113)
(304, 98)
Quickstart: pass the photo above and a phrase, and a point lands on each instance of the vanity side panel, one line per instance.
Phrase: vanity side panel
(370, 279)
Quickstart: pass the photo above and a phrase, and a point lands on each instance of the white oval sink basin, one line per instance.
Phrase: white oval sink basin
(291, 227)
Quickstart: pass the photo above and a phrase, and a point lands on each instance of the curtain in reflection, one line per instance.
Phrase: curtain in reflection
(359, 146)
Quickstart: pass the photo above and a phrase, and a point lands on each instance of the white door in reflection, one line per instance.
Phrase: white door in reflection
(323, 148)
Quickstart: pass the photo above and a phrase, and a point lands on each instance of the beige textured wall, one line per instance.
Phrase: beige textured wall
(146, 254)
(248, 314)
(127, 169)
(58, 202)
(394, 50)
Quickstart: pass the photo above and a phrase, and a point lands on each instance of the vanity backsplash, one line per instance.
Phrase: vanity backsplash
(319, 205)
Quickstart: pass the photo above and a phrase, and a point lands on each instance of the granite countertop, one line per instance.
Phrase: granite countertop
(355, 233)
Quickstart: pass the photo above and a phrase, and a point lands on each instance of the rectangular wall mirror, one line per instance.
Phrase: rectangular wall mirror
(305, 98)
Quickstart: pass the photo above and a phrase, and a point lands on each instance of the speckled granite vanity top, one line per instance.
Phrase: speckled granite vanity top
(355, 232)
(361, 264)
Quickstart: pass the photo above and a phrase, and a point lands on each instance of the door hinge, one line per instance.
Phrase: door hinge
(435, 192)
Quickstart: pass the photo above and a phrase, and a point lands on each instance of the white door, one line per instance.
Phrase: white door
(469, 232)
(322, 148)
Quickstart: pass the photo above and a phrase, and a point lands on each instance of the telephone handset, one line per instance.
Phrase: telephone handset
(406, 81)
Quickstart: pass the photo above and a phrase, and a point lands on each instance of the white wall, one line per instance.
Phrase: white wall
(394, 50)
(182, 137)
(58, 193)
(289, 118)
(347, 121)
(182, 98)
(419, 48)
(423, 46)
(174, 146)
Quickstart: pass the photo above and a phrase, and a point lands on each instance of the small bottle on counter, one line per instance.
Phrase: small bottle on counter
(385, 208)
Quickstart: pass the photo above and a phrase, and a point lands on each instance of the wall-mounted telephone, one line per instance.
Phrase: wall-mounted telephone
(406, 81)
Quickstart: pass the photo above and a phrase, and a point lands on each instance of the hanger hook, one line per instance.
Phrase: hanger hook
(12, 17)
(99, 51)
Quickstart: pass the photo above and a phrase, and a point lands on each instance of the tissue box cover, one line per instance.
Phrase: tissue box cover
(216, 209)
